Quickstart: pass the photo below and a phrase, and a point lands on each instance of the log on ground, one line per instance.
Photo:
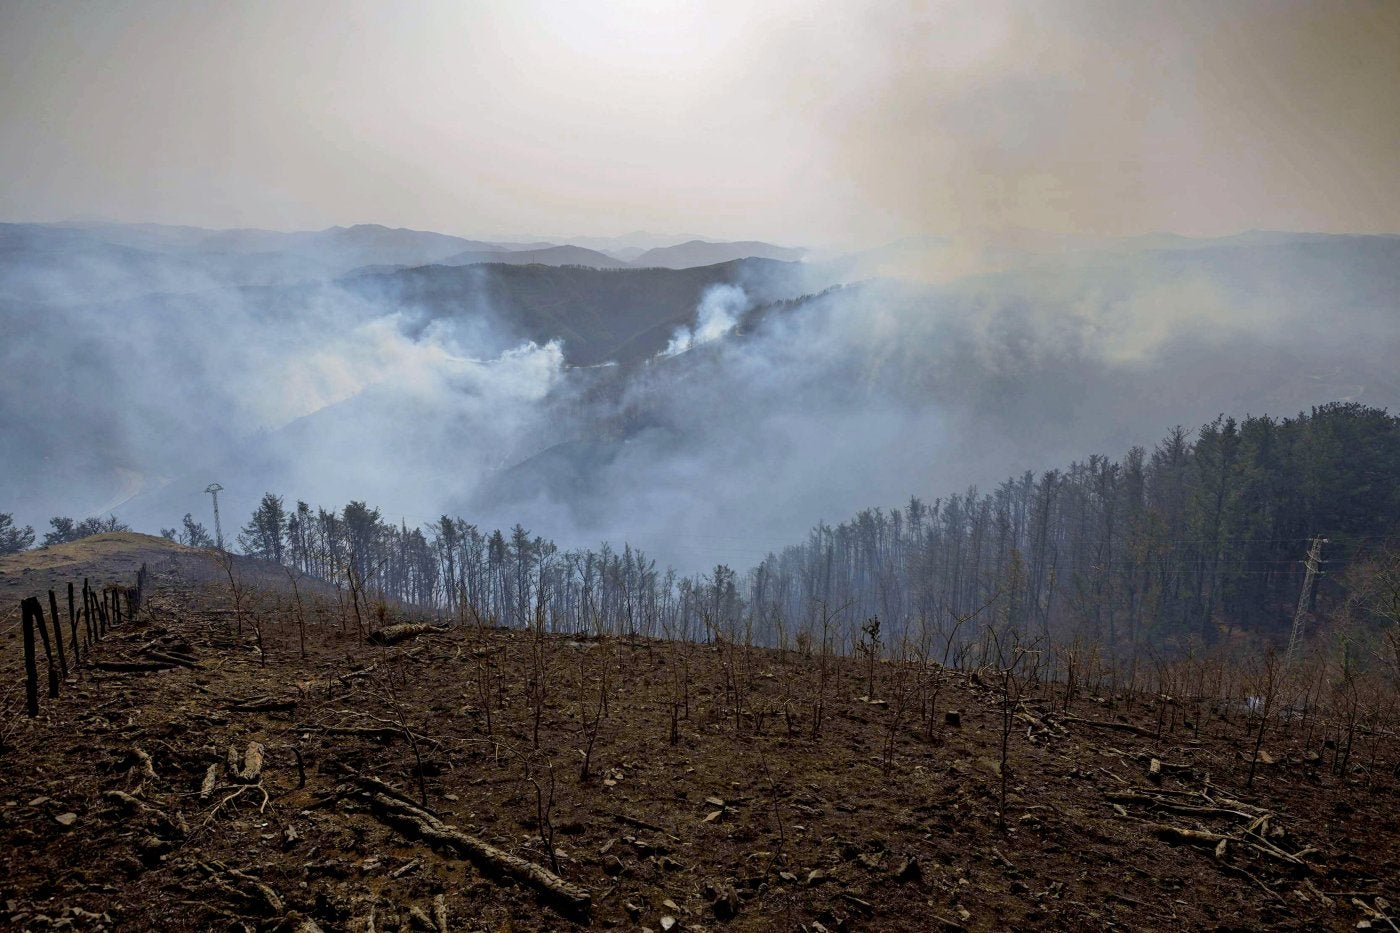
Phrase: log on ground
(393, 634)
(405, 816)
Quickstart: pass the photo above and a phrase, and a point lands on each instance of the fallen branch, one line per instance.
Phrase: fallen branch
(251, 890)
(175, 825)
(169, 657)
(148, 768)
(409, 817)
(134, 667)
(394, 634)
(643, 824)
(356, 675)
(374, 785)
(263, 704)
(376, 732)
(440, 913)
(1201, 836)
(234, 796)
(1116, 726)
(1129, 796)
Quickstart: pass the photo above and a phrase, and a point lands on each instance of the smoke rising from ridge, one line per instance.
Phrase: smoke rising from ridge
(438, 390)
(719, 312)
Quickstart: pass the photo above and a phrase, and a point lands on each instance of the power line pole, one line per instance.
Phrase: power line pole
(1299, 617)
(214, 489)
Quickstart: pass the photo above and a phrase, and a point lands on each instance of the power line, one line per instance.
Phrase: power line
(214, 489)
(1314, 559)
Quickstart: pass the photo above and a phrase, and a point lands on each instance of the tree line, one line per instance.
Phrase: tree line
(1199, 539)
(15, 538)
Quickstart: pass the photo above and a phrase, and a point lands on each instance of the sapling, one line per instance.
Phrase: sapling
(356, 594)
(824, 662)
(383, 687)
(1266, 684)
(589, 727)
(538, 677)
(300, 610)
(1007, 683)
(544, 795)
(899, 691)
(235, 585)
(780, 856)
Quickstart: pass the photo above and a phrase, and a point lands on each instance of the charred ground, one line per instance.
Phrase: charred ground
(719, 786)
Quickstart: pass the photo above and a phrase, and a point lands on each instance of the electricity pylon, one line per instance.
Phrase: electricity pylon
(214, 489)
(1299, 617)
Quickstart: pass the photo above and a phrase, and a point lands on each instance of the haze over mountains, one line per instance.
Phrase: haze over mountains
(704, 413)
(136, 258)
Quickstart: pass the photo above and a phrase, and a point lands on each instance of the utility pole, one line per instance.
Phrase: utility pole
(1299, 617)
(214, 489)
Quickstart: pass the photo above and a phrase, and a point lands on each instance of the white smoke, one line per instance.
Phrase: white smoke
(719, 312)
(858, 396)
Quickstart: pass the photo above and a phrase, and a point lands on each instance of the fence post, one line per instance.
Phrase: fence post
(58, 635)
(90, 611)
(73, 625)
(48, 649)
(31, 670)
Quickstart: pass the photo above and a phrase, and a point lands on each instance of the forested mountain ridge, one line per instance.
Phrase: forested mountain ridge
(594, 312)
(1198, 540)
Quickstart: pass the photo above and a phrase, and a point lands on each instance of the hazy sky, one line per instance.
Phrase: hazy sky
(814, 123)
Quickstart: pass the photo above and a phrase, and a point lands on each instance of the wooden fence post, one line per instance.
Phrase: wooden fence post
(48, 649)
(31, 670)
(58, 636)
(89, 613)
(73, 625)
(140, 589)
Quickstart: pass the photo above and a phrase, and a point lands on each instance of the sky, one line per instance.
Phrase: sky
(820, 124)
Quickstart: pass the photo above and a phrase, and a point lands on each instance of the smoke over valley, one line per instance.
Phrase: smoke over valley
(706, 414)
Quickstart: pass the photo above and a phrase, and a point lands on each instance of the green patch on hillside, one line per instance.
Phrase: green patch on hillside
(86, 550)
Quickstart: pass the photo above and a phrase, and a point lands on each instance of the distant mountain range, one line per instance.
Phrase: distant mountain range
(545, 256)
(702, 253)
(45, 261)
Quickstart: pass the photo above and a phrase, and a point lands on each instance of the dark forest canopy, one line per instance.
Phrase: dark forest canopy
(1200, 538)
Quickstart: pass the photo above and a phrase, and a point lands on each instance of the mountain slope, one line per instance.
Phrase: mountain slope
(71, 263)
(595, 312)
(702, 253)
(882, 796)
(547, 256)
